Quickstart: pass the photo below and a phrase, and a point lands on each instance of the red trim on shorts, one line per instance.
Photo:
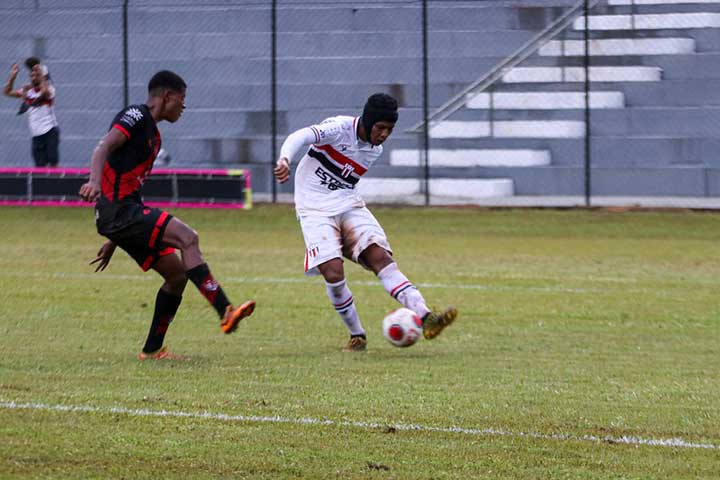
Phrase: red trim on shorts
(151, 259)
(156, 229)
(122, 130)
(148, 263)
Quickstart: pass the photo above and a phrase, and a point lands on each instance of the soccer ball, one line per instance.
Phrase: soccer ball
(402, 327)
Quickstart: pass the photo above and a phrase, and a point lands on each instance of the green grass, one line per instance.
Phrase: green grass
(577, 323)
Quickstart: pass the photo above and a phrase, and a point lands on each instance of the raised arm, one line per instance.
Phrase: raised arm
(8, 90)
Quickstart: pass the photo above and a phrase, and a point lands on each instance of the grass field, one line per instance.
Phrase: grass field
(586, 340)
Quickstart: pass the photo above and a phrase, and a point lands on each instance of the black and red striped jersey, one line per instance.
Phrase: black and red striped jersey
(127, 167)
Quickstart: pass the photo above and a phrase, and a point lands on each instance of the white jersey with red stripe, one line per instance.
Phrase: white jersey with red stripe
(41, 114)
(327, 176)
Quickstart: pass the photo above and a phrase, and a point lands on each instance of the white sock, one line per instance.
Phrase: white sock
(400, 288)
(341, 298)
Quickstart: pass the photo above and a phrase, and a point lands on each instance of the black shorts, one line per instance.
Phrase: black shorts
(141, 239)
(45, 148)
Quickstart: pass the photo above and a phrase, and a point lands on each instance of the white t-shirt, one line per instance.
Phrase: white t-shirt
(327, 176)
(41, 117)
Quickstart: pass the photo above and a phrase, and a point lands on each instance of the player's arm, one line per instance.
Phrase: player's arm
(296, 142)
(112, 140)
(46, 90)
(104, 255)
(8, 90)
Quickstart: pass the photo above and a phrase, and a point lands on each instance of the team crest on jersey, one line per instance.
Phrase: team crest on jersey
(131, 116)
(347, 170)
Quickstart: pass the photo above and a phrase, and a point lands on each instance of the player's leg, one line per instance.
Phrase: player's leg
(371, 249)
(342, 300)
(379, 261)
(38, 151)
(177, 234)
(52, 151)
(324, 256)
(399, 287)
(167, 301)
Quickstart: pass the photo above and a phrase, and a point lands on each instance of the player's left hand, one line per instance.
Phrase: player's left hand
(89, 191)
(282, 170)
(104, 255)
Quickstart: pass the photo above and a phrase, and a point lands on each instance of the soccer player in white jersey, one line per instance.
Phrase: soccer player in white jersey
(333, 217)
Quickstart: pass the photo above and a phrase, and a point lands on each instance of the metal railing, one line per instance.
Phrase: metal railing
(533, 45)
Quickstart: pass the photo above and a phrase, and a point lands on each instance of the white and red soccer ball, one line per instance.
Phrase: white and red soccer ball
(402, 327)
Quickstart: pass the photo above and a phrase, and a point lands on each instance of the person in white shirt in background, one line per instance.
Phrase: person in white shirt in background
(334, 219)
(39, 103)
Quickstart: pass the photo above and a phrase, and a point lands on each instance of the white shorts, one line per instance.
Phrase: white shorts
(345, 235)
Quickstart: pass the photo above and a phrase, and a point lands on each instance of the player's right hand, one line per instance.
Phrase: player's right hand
(14, 70)
(104, 255)
(89, 191)
(282, 170)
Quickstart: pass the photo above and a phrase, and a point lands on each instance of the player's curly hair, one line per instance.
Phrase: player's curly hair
(30, 62)
(166, 80)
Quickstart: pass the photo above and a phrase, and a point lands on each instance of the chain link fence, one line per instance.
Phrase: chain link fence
(524, 101)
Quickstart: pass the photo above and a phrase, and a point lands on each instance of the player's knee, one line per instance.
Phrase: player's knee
(376, 258)
(332, 271)
(176, 282)
(179, 281)
(189, 240)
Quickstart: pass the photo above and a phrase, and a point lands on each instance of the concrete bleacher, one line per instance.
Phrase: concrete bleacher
(655, 107)
(660, 139)
(224, 53)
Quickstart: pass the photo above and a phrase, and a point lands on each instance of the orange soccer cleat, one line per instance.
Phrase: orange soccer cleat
(162, 354)
(233, 316)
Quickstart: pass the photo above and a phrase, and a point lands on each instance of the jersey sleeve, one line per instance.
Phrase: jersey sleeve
(327, 132)
(130, 122)
(296, 142)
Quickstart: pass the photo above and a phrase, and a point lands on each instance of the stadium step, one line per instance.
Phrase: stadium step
(509, 129)
(619, 46)
(472, 158)
(399, 189)
(658, 2)
(655, 21)
(577, 74)
(544, 100)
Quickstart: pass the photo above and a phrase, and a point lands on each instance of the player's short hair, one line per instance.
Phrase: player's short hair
(166, 80)
(30, 62)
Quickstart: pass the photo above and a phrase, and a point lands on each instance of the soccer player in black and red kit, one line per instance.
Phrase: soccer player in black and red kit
(120, 163)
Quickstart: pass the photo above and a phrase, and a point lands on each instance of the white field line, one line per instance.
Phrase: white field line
(493, 432)
(308, 281)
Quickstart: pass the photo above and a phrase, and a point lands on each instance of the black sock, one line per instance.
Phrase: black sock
(209, 288)
(166, 306)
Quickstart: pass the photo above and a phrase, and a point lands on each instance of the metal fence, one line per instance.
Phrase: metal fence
(517, 102)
